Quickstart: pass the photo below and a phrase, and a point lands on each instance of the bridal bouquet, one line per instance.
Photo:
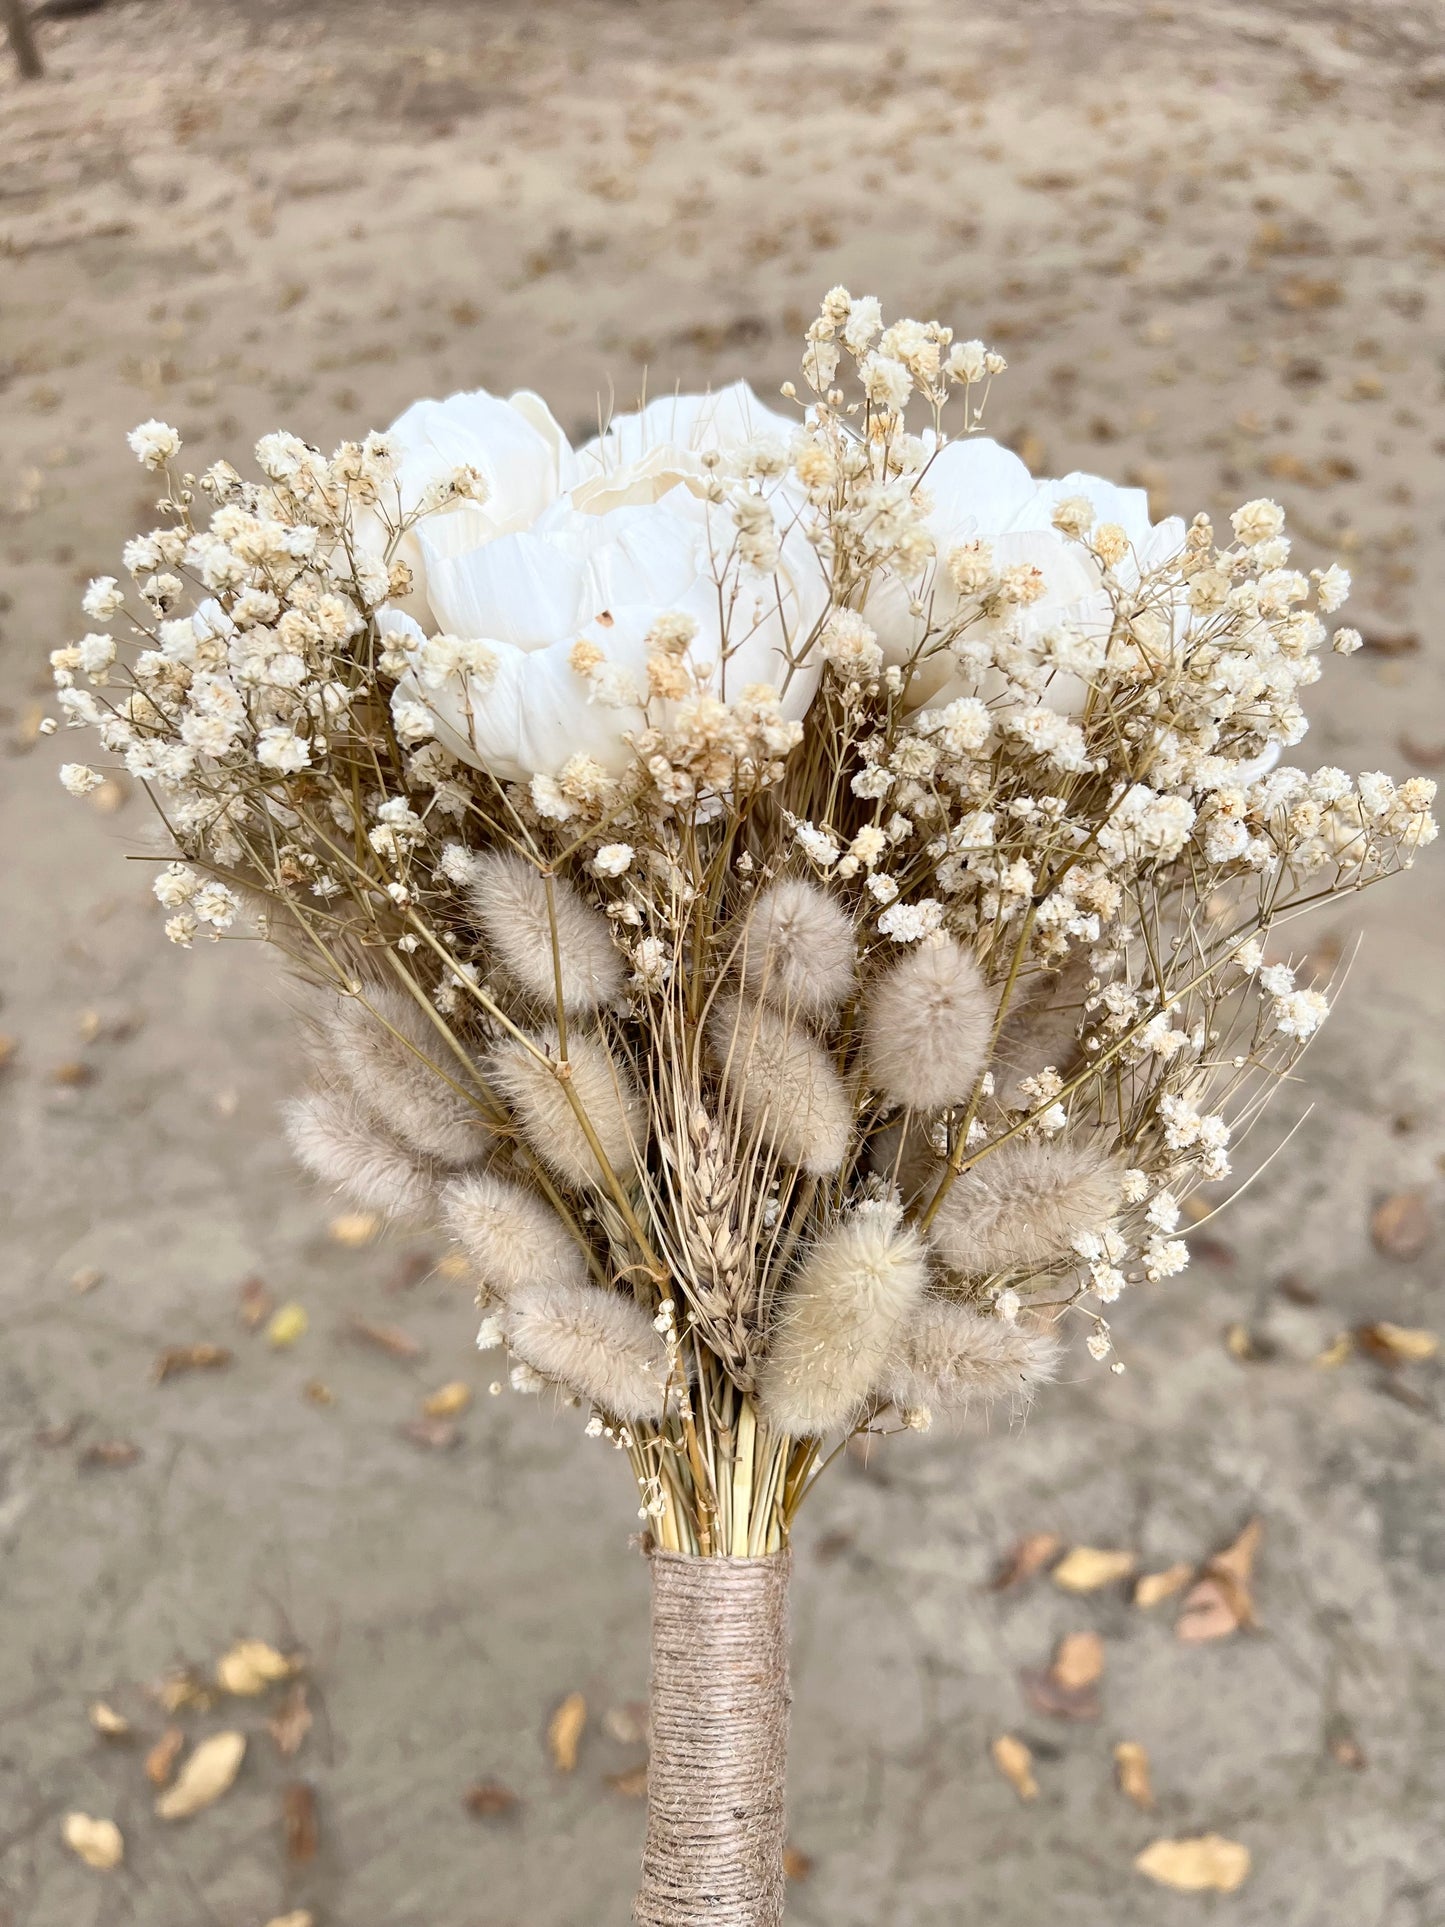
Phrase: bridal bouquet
(800, 901)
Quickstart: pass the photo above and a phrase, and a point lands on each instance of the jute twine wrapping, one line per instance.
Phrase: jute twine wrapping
(719, 1743)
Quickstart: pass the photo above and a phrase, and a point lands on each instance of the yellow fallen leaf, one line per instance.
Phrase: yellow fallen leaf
(453, 1264)
(250, 1667)
(564, 1732)
(97, 1842)
(355, 1227)
(301, 1918)
(1079, 1662)
(106, 1720)
(1087, 1568)
(1132, 1764)
(205, 1776)
(1016, 1763)
(448, 1401)
(1208, 1863)
(286, 1325)
(1404, 1344)
(1151, 1587)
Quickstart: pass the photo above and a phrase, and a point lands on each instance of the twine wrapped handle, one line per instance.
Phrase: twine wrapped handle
(719, 1739)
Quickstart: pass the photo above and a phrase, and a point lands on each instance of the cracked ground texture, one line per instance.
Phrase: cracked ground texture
(1210, 240)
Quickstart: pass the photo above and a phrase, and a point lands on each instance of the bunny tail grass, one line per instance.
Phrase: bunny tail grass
(800, 951)
(550, 1124)
(946, 1357)
(508, 898)
(398, 1066)
(1024, 1204)
(512, 1237)
(341, 1142)
(783, 1084)
(594, 1342)
(928, 1027)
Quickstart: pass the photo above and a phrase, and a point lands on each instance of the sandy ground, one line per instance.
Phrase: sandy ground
(1210, 239)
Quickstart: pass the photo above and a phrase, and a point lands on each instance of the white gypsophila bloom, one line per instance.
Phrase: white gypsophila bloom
(908, 922)
(154, 443)
(1257, 521)
(1144, 824)
(103, 598)
(1098, 1344)
(1164, 1258)
(1300, 1013)
(183, 928)
(612, 859)
(595, 546)
(278, 747)
(412, 721)
(216, 904)
(176, 884)
(1347, 641)
(79, 778)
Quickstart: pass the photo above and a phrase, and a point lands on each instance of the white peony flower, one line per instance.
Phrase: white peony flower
(593, 546)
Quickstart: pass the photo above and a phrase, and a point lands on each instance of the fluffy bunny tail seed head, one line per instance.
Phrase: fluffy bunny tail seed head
(513, 1237)
(799, 951)
(338, 1140)
(398, 1065)
(947, 1357)
(1024, 1204)
(547, 1119)
(836, 1326)
(509, 900)
(928, 1026)
(594, 1342)
(783, 1084)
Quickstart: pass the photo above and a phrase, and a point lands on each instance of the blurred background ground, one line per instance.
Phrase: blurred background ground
(1210, 239)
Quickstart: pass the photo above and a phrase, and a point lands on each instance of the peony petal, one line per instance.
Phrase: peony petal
(522, 589)
(693, 422)
(977, 489)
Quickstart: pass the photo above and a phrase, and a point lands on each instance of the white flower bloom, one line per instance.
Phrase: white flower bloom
(175, 885)
(612, 859)
(215, 904)
(103, 598)
(279, 747)
(79, 778)
(596, 545)
(908, 922)
(154, 443)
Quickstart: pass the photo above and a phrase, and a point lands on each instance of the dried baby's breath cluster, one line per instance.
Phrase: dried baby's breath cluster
(800, 901)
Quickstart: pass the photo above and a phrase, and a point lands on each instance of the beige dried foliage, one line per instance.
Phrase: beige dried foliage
(355, 1228)
(401, 1069)
(107, 1722)
(513, 1237)
(1207, 1863)
(947, 1357)
(160, 1761)
(603, 1089)
(1023, 1204)
(98, 1843)
(250, 1667)
(799, 949)
(783, 1084)
(1091, 1568)
(206, 1775)
(594, 1342)
(836, 1324)
(1397, 1344)
(1079, 1661)
(508, 897)
(1015, 1762)
(287, 1325)
(927, 1028)
(1025, 1558)
(1131, 1764)
(301, 1917)
(342, 1143)
(448, 1401)
(564, 1732)
(1151, 1587)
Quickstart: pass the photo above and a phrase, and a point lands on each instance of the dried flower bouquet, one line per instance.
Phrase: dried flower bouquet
(802, 902)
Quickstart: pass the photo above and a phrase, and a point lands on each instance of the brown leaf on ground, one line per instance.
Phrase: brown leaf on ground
(183, 1691)
(206, 1775)
(1400, 1224)
(1422, 755)
(632, 1784)
(300, 1828)
(1047, 1695)
(254, 1303)
(86, 1279)
(189, 1358)
(564, 1732)
(390, 1339)
(1208, 1864)
(1343, 1745)
(1151, 1587)
(162, 1757)
(1402, 643)
(797, 1865)
(107, 1722)
(112, 1453)
(488, 1799)
(1131, 1764)
(1220, 1601)
(51, 1436)
(1028, 1556)
(1016, 1763)
(250, 1667)
(1088, 1568)
(97, 1842)
(1396, 1344)
(1079, 1661)
(448, 1401)
(291, 1722)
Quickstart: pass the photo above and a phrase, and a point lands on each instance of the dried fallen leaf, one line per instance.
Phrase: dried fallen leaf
(432, 1434)
(1079, 1661)
(1400, 1224)
(299, 1825)
(184, 1691)
(8, 1047)
(86, 1279)
(206, 1775)
(250, 1667)
(387, 1338)
(97, 1842)
(1343, 1745)
(564, 1732)
(1151, 1587)
(161, 1760)
(355, 1228)
(1016, 1763)
(1220, 1602)
(1206, 1614)
(632, 1784)
(302, 1917)
(1050, 1696)
(797, 1865)
(189, 1358)
(1131, 1762)
(1206, 1864)
(453, 1264)
(627, 1722)
(1397, 1344)
(1087, 1568)
(1029, 1556)
(488, 1799)
(318, 1392)
(255, 1303)
(110, 1452)
(107, 1722)
(291, 1722)
(286, 1326)
(1335, 1353)
(448, 1401)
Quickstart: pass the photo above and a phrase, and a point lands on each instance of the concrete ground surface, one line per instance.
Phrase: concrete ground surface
(1210, 239)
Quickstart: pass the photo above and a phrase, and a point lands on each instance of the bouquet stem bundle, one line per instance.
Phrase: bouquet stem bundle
(801, 903)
